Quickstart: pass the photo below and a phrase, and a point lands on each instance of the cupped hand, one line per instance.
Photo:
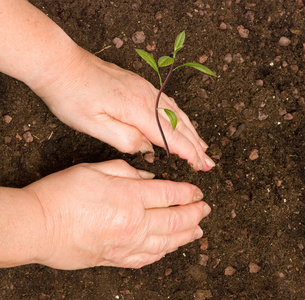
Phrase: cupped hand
(117, 107)
(112, 214)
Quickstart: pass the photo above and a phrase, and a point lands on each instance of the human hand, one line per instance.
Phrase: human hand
(117, 107)
(107, 214)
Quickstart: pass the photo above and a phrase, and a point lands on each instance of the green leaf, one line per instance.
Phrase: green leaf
(165, 61)
(179, 42)
(148, 58)
(198, 67)
(171, 115)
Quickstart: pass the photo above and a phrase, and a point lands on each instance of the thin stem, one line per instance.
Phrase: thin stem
(160, 79)
(157, 106)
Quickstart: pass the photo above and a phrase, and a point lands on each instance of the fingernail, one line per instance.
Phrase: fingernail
(197, 195)
(145, 174)
(197, 234)
(204, 144)
(199, 164)
(209, 162)
(146, 147)
(206, 209)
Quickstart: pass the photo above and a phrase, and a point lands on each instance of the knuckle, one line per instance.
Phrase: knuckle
(173, 221)
(138, 261)
(169, 194)
(130, 143)
(160, 245)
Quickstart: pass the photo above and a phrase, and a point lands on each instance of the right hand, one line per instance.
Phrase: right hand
(118, 107)
(112, 214)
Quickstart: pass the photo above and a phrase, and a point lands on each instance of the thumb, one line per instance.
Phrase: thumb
(120, 168)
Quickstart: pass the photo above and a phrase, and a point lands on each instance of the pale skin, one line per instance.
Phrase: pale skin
(106, 213)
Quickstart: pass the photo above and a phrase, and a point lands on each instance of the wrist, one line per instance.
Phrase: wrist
(22, 227)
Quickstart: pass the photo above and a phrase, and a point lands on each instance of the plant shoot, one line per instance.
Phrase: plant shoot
(166, 61)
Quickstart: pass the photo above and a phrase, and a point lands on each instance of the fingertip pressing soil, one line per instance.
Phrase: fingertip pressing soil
(252, 117)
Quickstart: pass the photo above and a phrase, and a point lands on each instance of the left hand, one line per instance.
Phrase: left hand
(117, 106)
(110, 214)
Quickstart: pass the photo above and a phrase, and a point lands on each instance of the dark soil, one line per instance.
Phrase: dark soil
(252, 117)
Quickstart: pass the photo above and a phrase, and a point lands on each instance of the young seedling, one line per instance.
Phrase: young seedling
(166, 61)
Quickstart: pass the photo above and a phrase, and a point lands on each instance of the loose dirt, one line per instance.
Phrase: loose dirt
(252, 116)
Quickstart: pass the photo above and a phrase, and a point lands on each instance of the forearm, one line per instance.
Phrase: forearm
(22, 228)
(33, 48)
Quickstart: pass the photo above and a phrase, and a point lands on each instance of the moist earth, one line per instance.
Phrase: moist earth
(251, 115)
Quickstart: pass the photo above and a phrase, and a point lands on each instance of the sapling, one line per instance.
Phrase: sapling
(166, 61)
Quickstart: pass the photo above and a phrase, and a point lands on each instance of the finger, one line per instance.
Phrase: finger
(185, 128)
(187, 122)
(175, 219)
(182, 142)
(120, 168)
(156, 244)
(126, 138)
(164, 193)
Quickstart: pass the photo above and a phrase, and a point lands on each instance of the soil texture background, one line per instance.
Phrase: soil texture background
(251, 115)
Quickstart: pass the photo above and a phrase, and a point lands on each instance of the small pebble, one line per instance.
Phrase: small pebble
(199, 3)
(225, 67)
(284, 64)
(158, 16)
(284, 41)
(203, 260)
(229, 271)
(238, 58)
(7, 119)
(243, 32)
(203, 58)
(288, 117)
(253, 268)
(254, 154)
(294, 68)
(239, 129)
(27, 136)
(223, 26)
(7, 139)
(26, 128)
(239, 106)
(204, 94)
(204, 243)
(168, 271)
(205, 78)
(138, 37)
(228, 58)
(117, 42)
(259, 83)
(262, 116)
(18, 137)
(281, 275)
(249, 15)
(151, 47)
(232, 130)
